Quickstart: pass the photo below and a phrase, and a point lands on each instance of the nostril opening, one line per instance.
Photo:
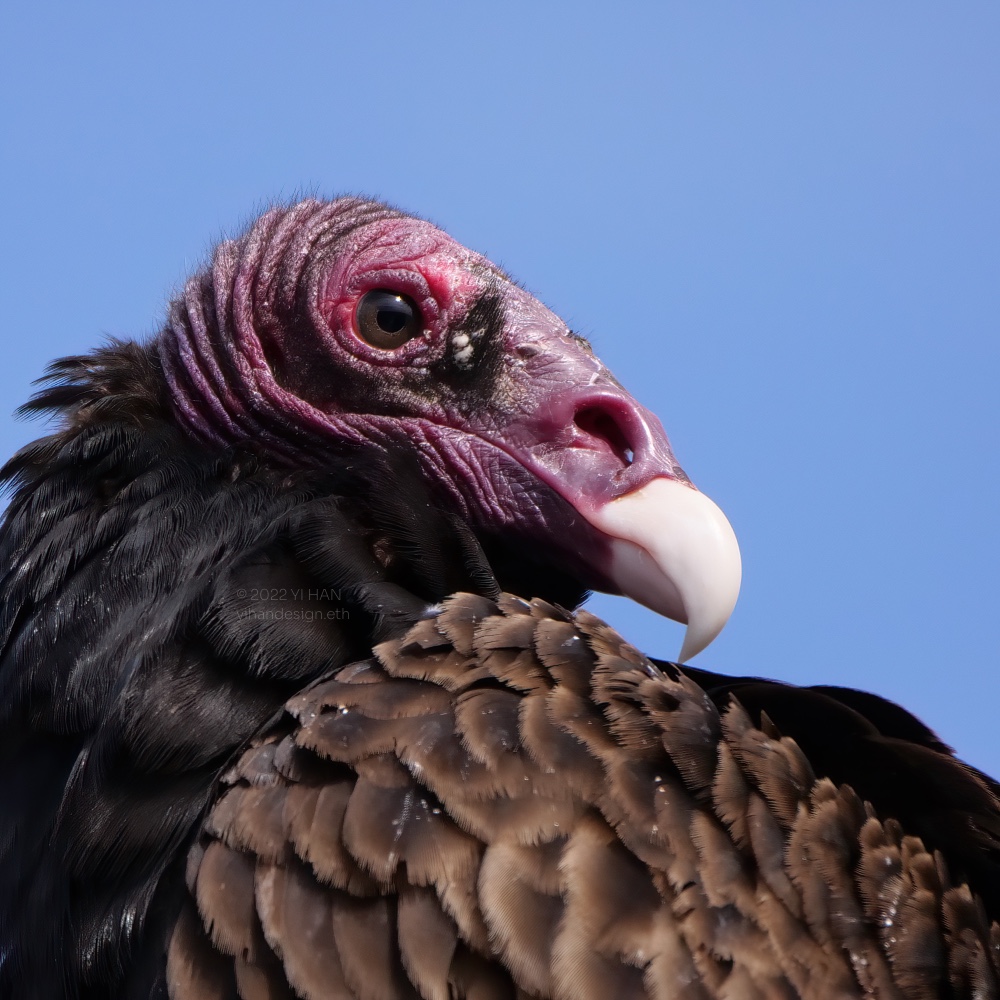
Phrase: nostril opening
(598, 423)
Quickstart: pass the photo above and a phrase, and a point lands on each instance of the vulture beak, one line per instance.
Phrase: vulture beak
(660, 541)
(673, 550)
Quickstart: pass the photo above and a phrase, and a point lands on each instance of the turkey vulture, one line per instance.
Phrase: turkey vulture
(273, 723)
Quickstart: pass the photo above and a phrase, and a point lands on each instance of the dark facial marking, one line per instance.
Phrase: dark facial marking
(473, 361)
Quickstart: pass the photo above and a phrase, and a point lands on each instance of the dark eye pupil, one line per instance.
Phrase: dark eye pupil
(393, 317)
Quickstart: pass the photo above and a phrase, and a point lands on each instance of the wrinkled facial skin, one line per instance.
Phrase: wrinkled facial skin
(516, 423)
(509, 411)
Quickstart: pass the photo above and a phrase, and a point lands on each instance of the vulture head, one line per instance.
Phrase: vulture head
(333, 328)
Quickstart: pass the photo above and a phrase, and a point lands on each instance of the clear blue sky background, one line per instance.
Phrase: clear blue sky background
(779, 222)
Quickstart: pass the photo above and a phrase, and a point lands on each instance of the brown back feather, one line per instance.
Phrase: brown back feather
(513, 802)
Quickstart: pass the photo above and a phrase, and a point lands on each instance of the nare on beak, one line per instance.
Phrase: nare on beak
(666, 545)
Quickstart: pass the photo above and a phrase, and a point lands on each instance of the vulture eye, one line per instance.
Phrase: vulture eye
(387, 319)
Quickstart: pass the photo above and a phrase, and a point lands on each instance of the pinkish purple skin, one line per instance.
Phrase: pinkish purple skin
(548, 444)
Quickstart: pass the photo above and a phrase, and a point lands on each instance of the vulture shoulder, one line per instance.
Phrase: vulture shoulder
(511, 801)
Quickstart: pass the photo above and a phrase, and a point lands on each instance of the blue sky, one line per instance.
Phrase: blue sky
(779, 223)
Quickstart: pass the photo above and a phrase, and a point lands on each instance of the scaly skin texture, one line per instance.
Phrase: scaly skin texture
(511, 801)
(262, 349)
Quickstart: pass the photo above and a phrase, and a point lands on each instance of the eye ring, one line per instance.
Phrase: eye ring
(387, 319)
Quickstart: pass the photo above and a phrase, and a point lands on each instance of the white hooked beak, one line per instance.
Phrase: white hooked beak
(673, 550)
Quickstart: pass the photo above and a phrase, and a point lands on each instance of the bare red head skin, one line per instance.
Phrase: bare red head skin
(521, 429)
